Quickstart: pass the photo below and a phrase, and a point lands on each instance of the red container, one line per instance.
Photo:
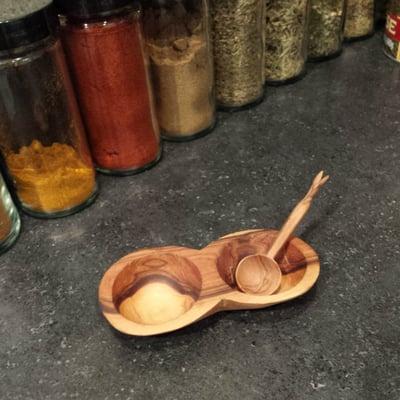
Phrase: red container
(104, 46)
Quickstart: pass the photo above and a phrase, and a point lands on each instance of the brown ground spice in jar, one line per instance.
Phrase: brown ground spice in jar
(182, 71)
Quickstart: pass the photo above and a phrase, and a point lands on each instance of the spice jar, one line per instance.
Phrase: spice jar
(326, 29)
(238, 42)
(178, 43)
(10, 223)
(359, 21)
(286, 40)
(105, 50)
(41, 134)
(380, 12)
(391, 36)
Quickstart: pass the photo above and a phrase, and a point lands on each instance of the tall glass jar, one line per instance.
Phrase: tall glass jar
(41, 134)
(10, 223)
(326, 29)
(238, 41)
(286, 40)
(105, 50)
(359, 19)
(178, 42)
(380, 12)
(391, 36)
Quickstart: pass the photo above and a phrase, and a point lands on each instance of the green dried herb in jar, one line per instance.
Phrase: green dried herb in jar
(286, 39)
(326, 28)
(359, 19)
(238, 35)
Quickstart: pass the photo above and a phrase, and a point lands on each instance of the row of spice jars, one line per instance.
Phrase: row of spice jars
(106, 52)
(44, 111)
(43, 137)
(297, 31)
(257, 41)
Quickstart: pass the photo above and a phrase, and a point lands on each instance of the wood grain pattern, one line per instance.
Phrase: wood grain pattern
(154, 291)
(260, 273)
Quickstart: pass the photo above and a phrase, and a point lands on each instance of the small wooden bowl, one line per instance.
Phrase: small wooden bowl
(155, 291)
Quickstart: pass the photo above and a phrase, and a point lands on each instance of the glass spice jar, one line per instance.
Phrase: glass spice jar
(359, 22)
(391, 37)
(41, 134)
(238, 42)
(178, 43)
(286, 40)
(10, 224)
(326, 29)
(380, 12)
(105, 50)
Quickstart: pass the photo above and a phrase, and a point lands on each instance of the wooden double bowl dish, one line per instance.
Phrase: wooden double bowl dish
(155, 291)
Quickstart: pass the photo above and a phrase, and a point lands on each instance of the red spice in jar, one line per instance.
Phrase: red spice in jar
(111, 75)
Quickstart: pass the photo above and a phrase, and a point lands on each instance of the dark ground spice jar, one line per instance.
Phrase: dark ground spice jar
(380, 12)
(103, 42)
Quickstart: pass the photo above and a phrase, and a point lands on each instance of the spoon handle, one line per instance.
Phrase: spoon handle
(297, 215)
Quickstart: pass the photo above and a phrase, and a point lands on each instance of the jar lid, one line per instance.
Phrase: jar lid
(91, 8)
(29, 29)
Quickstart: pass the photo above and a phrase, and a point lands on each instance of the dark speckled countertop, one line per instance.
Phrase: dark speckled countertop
(339, 342)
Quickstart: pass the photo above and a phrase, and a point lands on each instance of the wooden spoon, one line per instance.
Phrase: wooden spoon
(260, 274)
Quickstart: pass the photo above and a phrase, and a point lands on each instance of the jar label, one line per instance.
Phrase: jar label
(393, 27)
(392, 35)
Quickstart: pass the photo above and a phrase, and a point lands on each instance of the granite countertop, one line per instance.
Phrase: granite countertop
(340, 341)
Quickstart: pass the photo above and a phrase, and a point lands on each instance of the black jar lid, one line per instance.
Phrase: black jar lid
(91, 8)
(29, 29)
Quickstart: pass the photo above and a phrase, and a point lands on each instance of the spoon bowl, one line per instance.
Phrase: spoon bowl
(258, 274)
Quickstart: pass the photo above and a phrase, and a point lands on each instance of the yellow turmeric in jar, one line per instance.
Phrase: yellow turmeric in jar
(52, 178)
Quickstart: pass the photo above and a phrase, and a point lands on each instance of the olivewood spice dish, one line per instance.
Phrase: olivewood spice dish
(159, 290)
